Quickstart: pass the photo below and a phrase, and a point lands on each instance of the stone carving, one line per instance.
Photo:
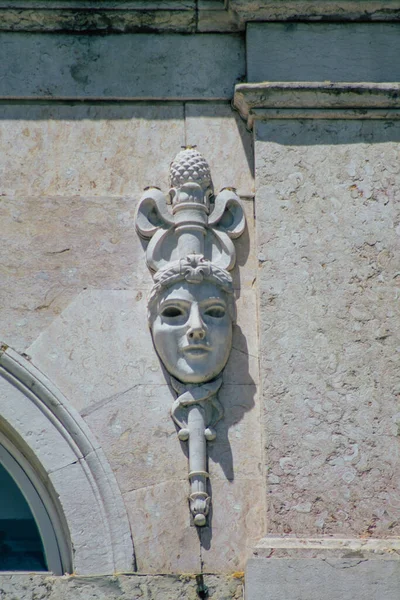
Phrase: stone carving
(191, 308)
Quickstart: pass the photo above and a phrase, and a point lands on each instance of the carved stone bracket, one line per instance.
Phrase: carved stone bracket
(191, 307)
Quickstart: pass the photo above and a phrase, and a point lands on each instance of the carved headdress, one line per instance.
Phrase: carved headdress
(196, 224)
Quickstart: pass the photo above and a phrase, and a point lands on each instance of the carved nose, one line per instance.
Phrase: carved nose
(196, 329)
(196, 334)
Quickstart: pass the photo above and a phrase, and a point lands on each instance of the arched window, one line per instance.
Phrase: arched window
(27, 538)
(62, 474)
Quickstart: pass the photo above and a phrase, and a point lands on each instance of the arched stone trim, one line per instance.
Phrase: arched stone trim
(64, 458)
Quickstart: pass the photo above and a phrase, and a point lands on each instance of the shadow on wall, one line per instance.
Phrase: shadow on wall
(121, 67)
(318, 132)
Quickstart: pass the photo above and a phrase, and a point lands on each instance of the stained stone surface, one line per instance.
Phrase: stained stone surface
(121, 587)
(327, 211)
(87, 150)
(323, 52)
(139, 67)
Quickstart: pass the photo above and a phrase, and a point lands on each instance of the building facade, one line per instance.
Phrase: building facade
(294, 109)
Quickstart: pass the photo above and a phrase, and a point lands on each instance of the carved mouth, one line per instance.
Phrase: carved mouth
(196, 350)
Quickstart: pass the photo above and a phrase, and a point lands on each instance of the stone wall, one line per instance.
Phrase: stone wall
(119, 587)
(74, 292)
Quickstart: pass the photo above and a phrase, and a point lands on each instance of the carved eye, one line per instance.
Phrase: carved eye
(217, 312)
(172, 311)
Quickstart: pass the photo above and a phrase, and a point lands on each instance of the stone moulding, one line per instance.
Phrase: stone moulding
(191, 307)
(92, 497)
(186, 16)
(317, 100)
(338, 547)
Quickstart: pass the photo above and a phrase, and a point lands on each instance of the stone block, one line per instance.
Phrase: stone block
(327, 214)
(87, 150)
(323, 52)
(164, 539)
(333, 579)
(139, 436)
(124, 67)
(99, 347)
(237, 519)
(118, 587)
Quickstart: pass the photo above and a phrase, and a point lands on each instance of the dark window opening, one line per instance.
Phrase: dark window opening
(21, 547)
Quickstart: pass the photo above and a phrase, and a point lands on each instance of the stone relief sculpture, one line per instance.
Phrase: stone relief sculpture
(191, 309)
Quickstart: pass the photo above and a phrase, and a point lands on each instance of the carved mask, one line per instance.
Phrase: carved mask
(192, 330)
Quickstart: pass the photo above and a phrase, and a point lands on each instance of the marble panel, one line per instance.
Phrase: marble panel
(138, 67)
(323, 52)
(242, 366)
(99, 347)
(165, 540)
(139, 436)
(86, 150)
(237, 522)
(328, 224)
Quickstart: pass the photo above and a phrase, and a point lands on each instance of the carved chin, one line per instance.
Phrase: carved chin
(198, 368)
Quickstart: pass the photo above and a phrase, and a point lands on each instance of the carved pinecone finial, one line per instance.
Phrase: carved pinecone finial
(189, 165)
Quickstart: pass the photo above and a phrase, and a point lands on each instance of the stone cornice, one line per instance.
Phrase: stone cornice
(184, 16)
(317, 100)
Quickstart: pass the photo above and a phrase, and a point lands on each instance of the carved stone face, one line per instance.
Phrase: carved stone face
(192, 331)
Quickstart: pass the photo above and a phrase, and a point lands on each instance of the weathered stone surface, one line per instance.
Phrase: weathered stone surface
(327, 214)
(125, 67)
(165, 540)
(323, 52)
(186, 16)
(237, 518)
(102, 17)
(120, 587)
(94, 352)
(42, 270)
(333, 579)
(139, 436)
(317, 100)
(334, 10)
(86, 150)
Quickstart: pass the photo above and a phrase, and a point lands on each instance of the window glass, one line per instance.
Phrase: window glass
(21, 548)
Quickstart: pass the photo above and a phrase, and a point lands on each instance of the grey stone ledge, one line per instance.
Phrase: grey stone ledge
(317, 100)
(315, 10)
(325, 547)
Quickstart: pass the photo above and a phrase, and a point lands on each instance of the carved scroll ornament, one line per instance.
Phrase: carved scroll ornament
(191, 308)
